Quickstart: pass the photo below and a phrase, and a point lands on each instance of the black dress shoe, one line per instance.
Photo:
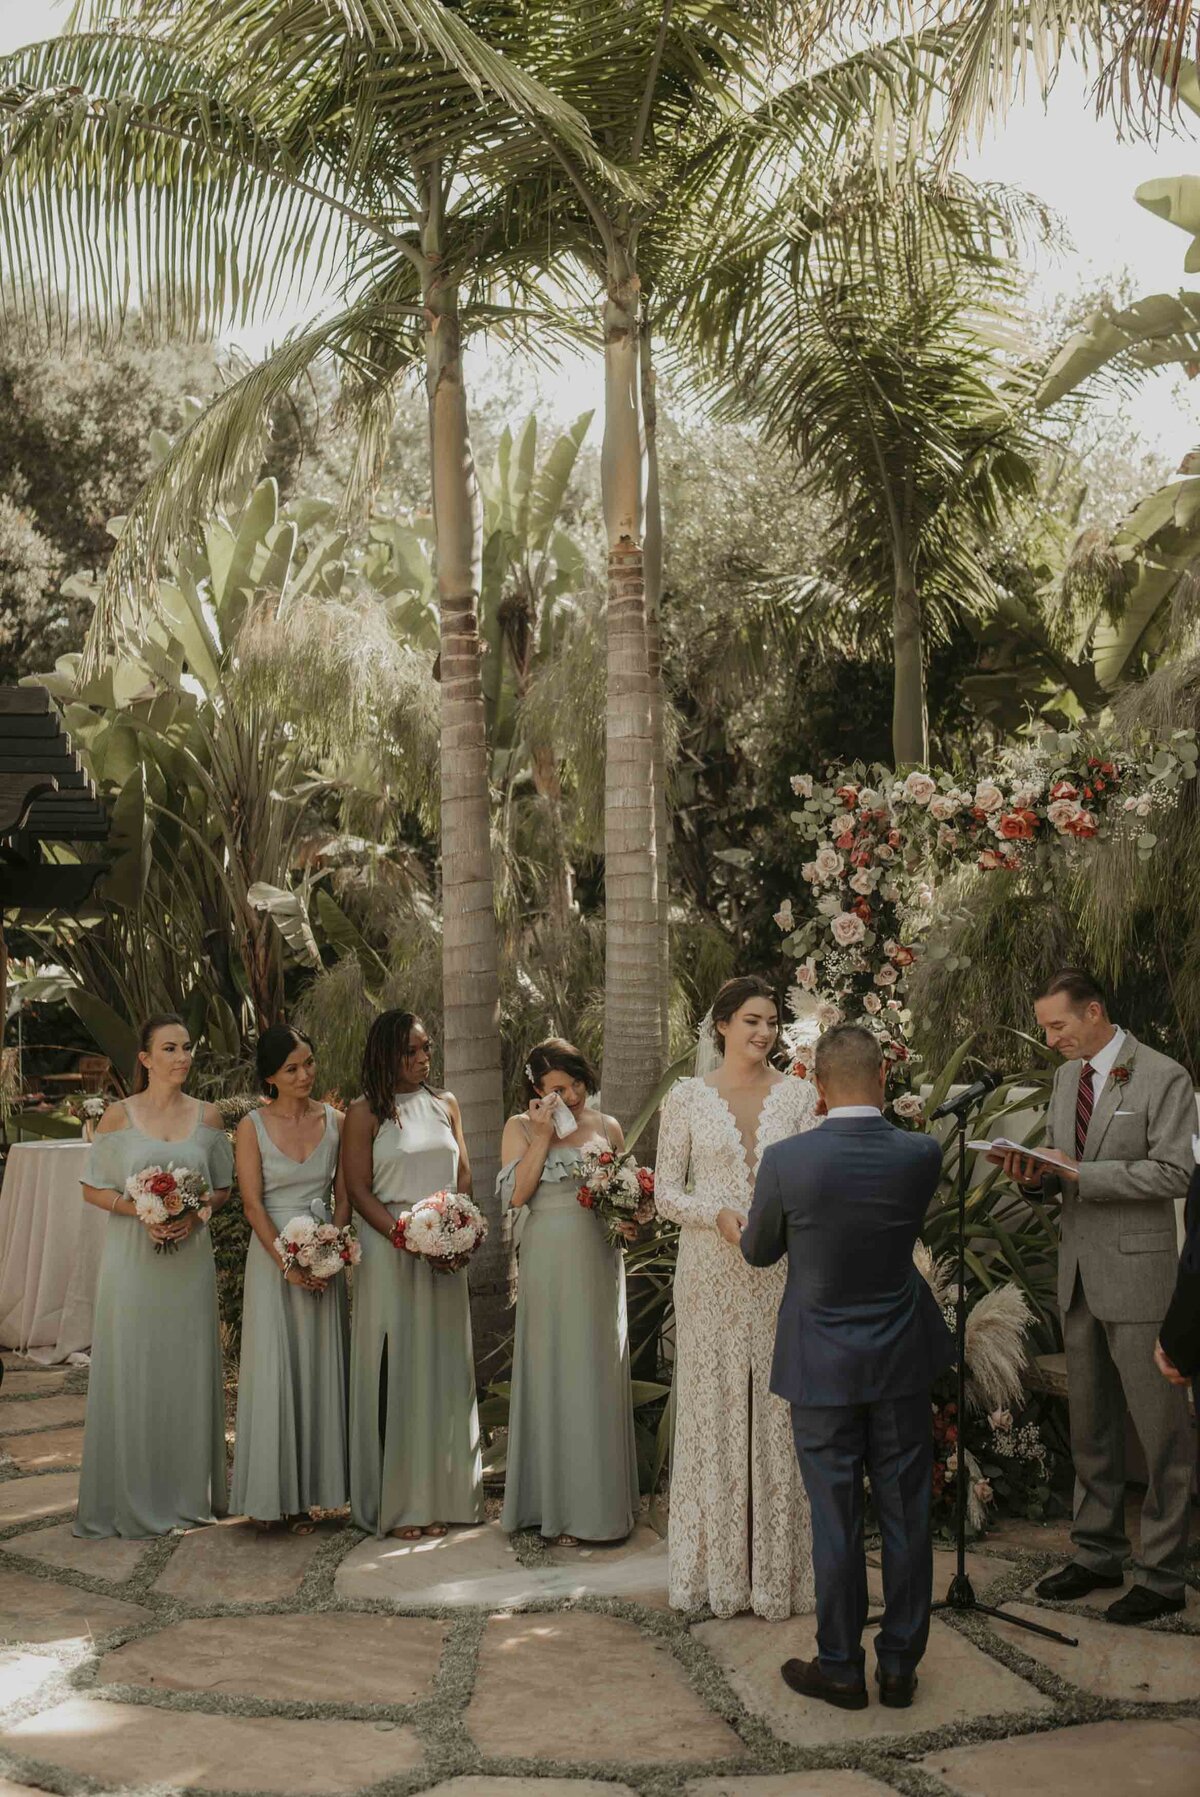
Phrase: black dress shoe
(1076, 1581)
(806, 1677)
(896, 1688)
(1140, 1604)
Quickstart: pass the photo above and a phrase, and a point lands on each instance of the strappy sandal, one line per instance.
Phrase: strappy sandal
(435, 1528)
(562, 1541)
(406, 1534)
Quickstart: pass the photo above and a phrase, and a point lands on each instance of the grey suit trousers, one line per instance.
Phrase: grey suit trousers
(1111, 1369)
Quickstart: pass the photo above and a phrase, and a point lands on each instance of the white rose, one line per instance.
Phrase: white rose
(784, 918)
(1001, 1421)
(988, 796)
(923, 896)
(809, 872)
(841, 823)
(869, 799)
(827, 1015)
(830, 905)
(947, 838)
(1063, 812)
(828, 863)
(942, 806)
(919, 788)
(873, 1003)
(893, 1004)
(1026, 797)
(865, 881)
(890, 946)
(887, 975)
(910, 1105)
(890, 894)
(847, 928)
(884, 851)
(802, 785)
(1144, 806)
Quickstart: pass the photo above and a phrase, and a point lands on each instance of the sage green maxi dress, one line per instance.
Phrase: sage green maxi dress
(414, 1428)
(572, 1459)
(154, 1440)
(291, 1452)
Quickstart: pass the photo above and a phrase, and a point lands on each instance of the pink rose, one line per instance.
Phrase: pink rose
(847, 928)
(828, 863)
(886, 975)
(1063, 789)
(942, 807)
(919, 788)
(784, 918)
(827, 1015)
(1062, 813)
(806, 974)
(983, 1491)
(872, 1003)
(988, 797)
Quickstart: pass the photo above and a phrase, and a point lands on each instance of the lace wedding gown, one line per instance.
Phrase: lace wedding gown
(740, 1535)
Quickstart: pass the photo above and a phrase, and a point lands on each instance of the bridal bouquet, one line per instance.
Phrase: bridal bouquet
(162, 1193)
(443, 1230)
(317, 1247)
(617, 1189)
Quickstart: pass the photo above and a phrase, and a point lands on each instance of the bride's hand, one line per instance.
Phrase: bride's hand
(730, 1224)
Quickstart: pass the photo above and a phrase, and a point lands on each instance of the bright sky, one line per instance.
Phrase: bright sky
(1063, 154)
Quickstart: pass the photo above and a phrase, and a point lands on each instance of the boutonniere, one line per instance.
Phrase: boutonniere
(1120, 1076)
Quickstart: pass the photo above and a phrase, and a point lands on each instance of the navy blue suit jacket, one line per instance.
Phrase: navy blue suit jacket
(845, 1202)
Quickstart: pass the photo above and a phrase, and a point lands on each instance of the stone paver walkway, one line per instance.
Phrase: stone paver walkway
(330, 1666)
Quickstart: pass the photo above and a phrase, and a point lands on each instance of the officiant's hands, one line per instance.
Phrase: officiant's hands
(730, 1224)
(1027, 1172)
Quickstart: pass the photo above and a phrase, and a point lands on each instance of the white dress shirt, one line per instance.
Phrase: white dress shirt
(855, 1110)
(1103, 1062)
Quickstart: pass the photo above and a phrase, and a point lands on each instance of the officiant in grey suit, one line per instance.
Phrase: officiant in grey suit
(1120, 1125)
(859, 1343)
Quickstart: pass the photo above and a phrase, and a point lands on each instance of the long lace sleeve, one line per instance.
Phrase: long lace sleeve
(690, 1209)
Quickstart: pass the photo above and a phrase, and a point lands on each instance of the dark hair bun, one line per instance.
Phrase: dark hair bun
(274, 1047)
(557, 1055)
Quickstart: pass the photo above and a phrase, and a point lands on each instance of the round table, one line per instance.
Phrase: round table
(50, 1243)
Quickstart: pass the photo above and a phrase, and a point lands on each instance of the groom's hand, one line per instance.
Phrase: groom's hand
(730, 1224)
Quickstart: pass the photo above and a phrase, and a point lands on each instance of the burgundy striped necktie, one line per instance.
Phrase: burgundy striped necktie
(1083, 1108)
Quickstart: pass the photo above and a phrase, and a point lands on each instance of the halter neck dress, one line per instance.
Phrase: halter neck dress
(572, 1457)
(414, 1428)
(291, 1452)
(154, 1440)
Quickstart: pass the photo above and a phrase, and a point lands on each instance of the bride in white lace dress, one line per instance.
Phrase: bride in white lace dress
(740, 1535)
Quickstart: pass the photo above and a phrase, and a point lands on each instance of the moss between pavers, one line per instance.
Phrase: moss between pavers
(440, 1719)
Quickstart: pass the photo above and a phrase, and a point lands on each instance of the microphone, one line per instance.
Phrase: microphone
(987, 1082)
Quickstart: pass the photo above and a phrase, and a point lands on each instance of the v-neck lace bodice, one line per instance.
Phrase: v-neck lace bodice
(753, 1157)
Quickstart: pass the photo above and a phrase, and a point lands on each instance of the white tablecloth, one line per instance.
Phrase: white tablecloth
(50, 1243)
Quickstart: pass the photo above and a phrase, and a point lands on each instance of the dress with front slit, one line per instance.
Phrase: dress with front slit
(414, 1428)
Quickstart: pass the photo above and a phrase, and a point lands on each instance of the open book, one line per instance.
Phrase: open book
(1002, 1145)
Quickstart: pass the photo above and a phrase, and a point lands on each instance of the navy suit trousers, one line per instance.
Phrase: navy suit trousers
(892, 1440)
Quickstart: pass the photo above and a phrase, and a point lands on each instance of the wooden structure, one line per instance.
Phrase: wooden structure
(45, 796)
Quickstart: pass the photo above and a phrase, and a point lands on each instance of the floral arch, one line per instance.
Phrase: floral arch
(880, 844)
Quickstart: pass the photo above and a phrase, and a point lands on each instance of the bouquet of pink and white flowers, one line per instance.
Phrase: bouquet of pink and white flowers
(617, 1189)
(160, 1194)
(443, 1230)
(317, 1247)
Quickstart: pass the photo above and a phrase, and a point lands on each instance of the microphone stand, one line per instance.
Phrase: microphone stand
(961, 1595)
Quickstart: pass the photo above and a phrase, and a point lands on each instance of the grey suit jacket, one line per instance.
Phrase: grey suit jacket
(1118, 1220)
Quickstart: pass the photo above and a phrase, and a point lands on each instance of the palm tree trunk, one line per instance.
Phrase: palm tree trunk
(910, 734)
(658, 702)
(470, 949)
(632, 1017)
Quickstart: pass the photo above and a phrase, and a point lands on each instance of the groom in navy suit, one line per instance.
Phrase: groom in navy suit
(859, 1343)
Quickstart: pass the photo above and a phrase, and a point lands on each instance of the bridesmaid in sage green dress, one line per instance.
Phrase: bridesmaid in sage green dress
(572, 1459)
(415, 1462)
(291, 1453)
(154, 1441)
